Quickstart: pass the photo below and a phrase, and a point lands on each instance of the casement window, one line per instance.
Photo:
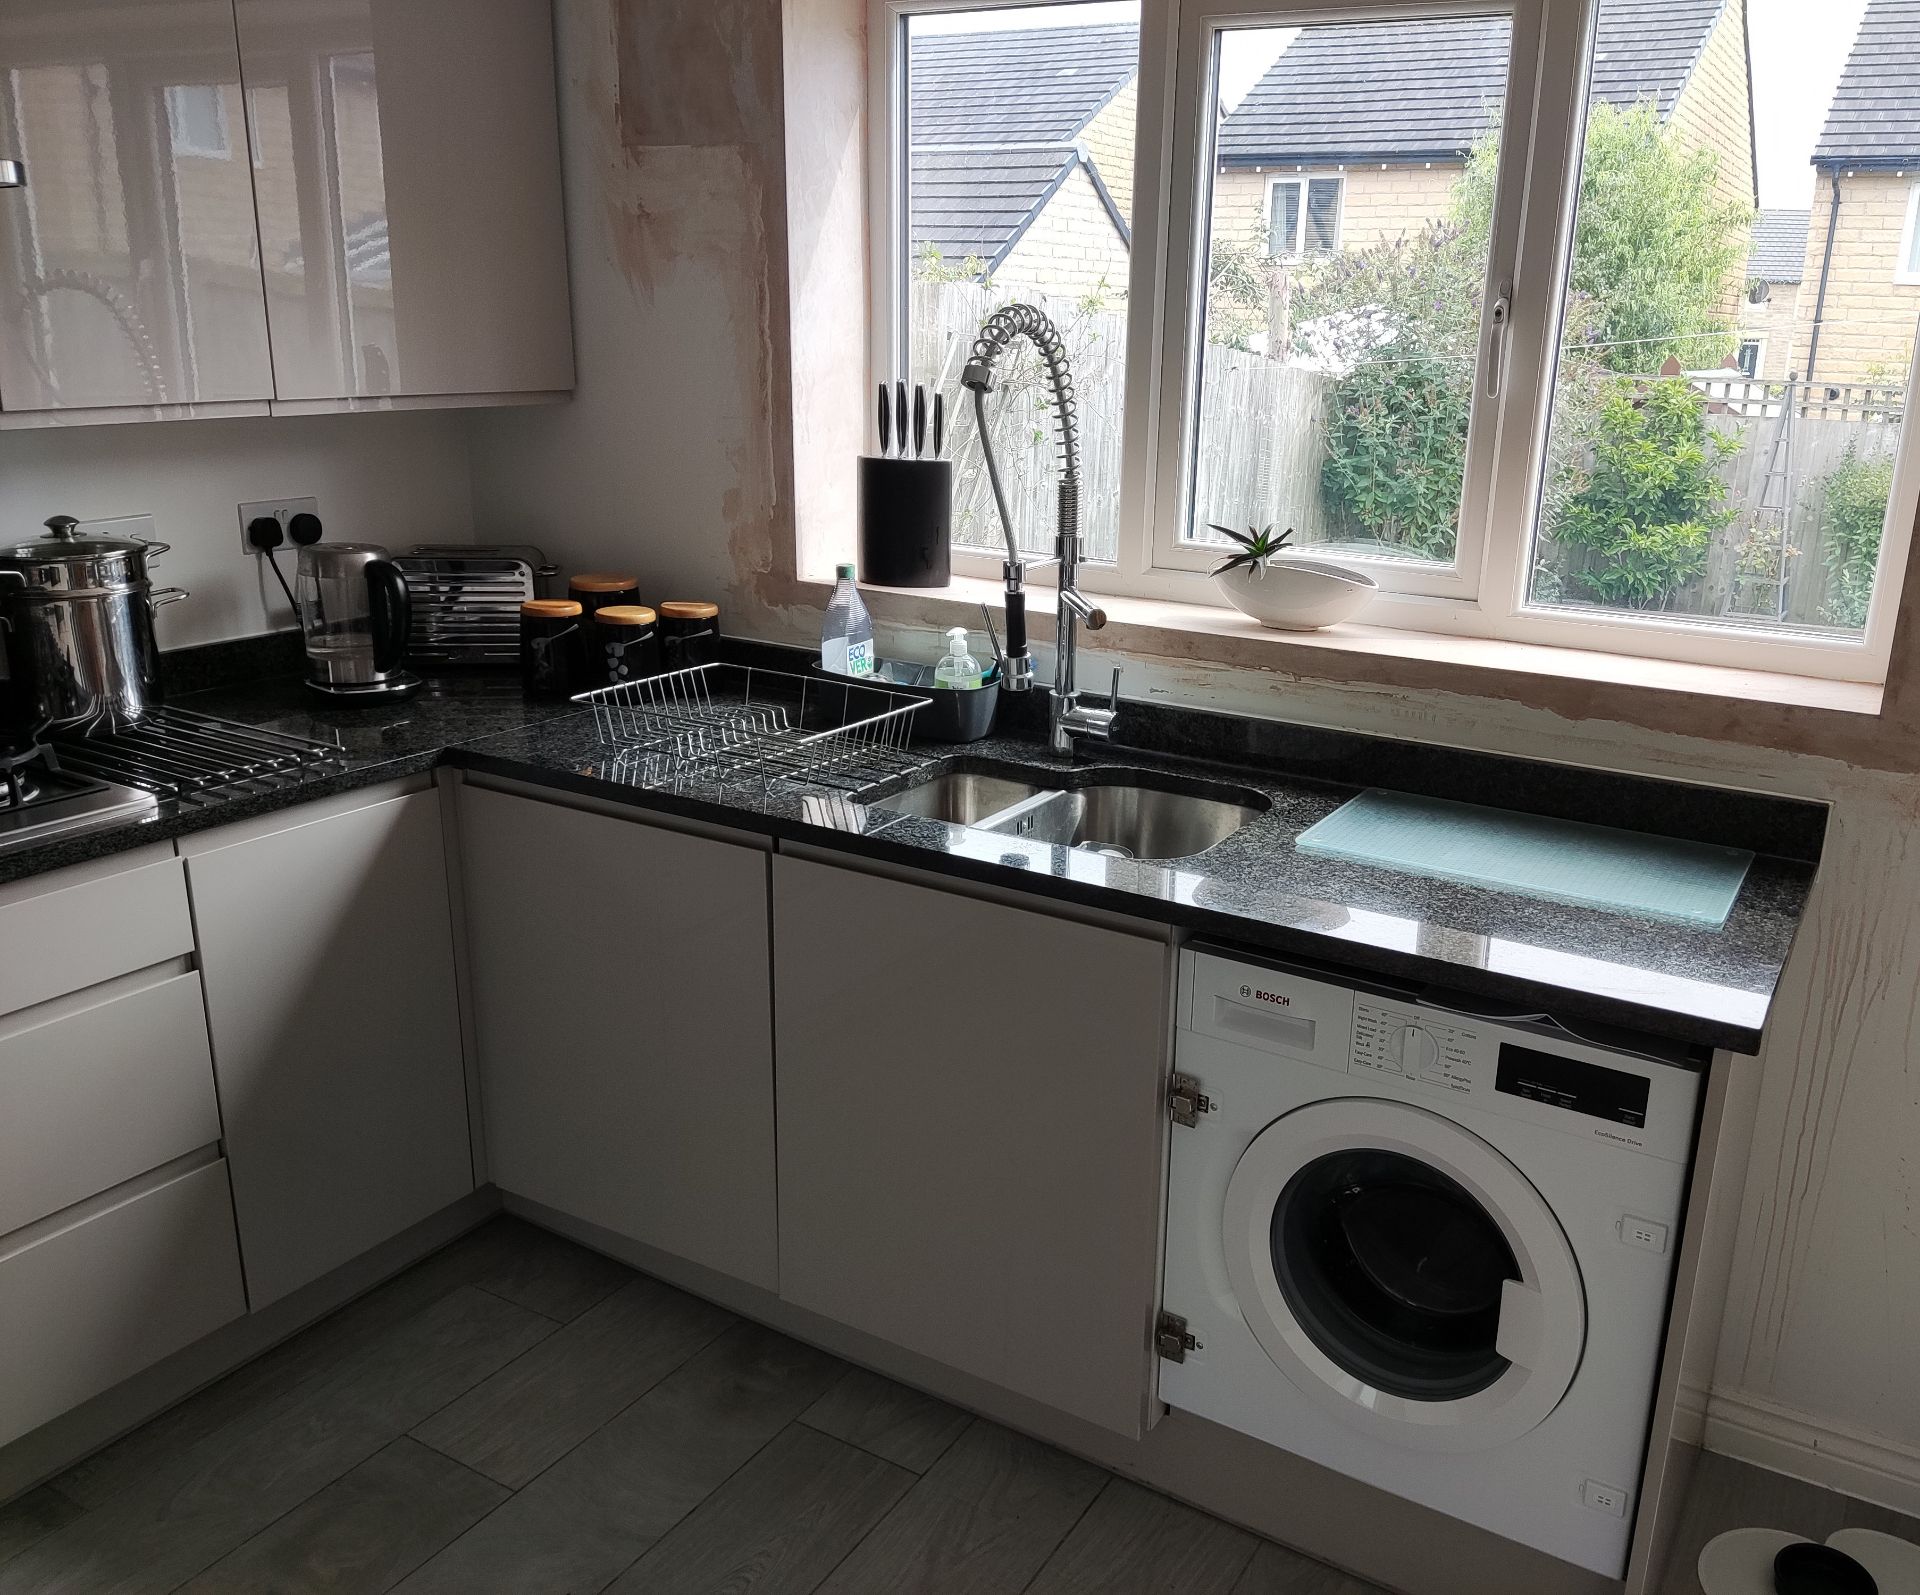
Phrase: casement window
(1470, 335)
(1303, 217)
(197, 120)
(1753, 353)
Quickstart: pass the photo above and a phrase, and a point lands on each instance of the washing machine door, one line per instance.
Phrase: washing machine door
(1404, 1274)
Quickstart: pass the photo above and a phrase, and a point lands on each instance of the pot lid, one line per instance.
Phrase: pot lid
(64, 544)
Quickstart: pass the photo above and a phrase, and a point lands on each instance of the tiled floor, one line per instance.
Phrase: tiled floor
(518, 1415)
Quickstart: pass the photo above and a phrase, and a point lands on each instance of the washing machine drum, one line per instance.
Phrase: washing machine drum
(1404, 1274)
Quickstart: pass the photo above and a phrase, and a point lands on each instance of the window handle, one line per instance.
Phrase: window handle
(1501, 315)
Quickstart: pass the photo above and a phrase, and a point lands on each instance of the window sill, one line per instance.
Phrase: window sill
(1753, 707)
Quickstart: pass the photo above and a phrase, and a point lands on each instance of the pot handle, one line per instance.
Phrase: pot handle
(392, 609)
(155, 548)
(162, 596)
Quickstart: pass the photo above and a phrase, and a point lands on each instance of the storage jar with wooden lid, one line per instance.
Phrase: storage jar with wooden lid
(553, 648)
(689, 633)
(595, 590)
(626, 643)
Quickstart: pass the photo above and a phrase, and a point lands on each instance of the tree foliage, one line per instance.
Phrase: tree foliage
(1649, 500)
(1856, 493)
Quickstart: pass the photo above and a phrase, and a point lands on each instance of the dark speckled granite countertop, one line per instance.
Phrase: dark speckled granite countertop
(1497, 950)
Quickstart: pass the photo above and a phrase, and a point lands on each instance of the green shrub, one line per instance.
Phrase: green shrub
(1396, 433)
(1855, 492)
(1648, 501)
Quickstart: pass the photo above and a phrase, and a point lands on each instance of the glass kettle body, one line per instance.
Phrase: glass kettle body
(355, 616)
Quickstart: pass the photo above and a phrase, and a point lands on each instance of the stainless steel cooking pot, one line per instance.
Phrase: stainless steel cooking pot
(79, 613)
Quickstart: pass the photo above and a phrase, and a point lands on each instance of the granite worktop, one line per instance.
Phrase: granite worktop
(1494, 951)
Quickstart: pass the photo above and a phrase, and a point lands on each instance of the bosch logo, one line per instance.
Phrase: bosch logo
(1266, 996)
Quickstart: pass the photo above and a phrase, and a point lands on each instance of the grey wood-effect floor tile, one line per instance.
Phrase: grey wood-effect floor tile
(587, 1518)
(982, 1521)
(368, 1528)
(232, 1482)
(531, 1413)
(778, 1526)
(318, 1352)
(1134, 1542)
(548, 1273)
(30, 1518)
(1275, 1570)
(905, 1426)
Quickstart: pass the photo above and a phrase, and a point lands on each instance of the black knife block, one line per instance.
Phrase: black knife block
(906, 522)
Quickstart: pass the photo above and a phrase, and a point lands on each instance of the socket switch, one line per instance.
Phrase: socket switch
(281, 510)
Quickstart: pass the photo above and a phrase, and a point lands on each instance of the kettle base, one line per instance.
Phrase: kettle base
(399, 684)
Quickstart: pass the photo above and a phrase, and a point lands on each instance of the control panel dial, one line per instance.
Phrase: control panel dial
(1417, 1049)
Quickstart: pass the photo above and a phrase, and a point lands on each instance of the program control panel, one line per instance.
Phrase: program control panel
(1413, 1043)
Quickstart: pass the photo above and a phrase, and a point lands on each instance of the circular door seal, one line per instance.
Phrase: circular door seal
(1542, 1314)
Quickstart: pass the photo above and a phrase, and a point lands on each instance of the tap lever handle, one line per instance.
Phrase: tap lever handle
(1016, 623)
(1113, 693)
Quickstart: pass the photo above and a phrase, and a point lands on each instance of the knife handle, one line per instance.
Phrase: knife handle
(886, 425)
(939, 423)
(919, 421)
(900, 415)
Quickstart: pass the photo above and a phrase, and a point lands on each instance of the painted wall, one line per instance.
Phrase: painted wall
(671, 460)
(397, 479)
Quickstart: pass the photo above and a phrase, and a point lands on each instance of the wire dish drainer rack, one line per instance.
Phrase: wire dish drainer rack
(754, 731)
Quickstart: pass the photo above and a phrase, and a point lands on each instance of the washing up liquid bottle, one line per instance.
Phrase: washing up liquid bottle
(959, 668)
(846, 637)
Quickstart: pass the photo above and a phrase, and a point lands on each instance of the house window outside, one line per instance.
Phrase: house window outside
(197, 120)
(1303, 217)
(1451, 363)
(1908, 268)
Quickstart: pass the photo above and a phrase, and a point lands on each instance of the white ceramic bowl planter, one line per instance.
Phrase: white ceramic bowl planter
(1270, 583)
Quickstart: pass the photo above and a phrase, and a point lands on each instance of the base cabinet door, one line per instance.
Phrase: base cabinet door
(971, 1132)
(621, 1007)
(326, 951)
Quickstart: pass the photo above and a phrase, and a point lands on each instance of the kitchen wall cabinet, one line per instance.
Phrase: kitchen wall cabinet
(375, 183)
(129, 270)
(620, 991)
(971, 1130)
(326, 950)
(406, 160)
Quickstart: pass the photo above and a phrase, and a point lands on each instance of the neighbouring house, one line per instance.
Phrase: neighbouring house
(1357, 132)
(1022, 154)
(1861, 299)
(1770, 314)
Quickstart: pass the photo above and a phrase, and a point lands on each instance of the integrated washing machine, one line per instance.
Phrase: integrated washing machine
(1431, 1251)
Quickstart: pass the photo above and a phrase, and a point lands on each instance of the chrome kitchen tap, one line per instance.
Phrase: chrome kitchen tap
(1067, 716)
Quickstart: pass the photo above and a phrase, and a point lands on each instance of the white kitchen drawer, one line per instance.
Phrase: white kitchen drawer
(88, 1305)
(91, 1096)
(70, 936)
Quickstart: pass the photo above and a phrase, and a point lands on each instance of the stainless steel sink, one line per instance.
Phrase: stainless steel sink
(965, 797)
(1107, 811)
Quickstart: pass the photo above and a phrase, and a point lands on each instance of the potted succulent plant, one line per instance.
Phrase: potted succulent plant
(1264, 578)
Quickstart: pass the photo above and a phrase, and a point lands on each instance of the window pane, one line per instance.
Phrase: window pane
(1284, 237)
(1336, 377)
(1729, 392)
(1020, 163)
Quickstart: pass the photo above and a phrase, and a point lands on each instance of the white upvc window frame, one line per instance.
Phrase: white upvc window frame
(1483, 593)
(1304, 181)
(1906, 268)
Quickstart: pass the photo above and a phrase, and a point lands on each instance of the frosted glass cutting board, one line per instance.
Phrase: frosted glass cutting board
(1563, 861)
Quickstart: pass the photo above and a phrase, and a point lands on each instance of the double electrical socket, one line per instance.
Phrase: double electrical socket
(279, 509)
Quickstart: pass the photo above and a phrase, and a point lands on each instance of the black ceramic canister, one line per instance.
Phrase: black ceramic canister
(553, 648)
(689, 633)
(595, 590)
(906, 522)
(626, 643)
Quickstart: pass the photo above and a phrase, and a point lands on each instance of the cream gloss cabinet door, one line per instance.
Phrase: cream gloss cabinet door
(326, 952)
(972, 1132)
(622, 1008)
(129, 264)
(407, 168)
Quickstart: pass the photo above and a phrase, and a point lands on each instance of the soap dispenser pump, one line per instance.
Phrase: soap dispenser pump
(959, 669)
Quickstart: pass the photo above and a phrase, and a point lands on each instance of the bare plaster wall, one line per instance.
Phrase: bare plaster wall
(674, 460)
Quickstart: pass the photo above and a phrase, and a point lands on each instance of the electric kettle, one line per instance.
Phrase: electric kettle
(355, 614)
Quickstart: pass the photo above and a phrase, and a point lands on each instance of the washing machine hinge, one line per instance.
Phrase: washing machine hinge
(1172, 1339)
(1186, 1101)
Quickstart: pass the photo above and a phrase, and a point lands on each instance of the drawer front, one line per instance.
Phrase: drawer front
(73, 937)
(87, 1306)
(101, 1094)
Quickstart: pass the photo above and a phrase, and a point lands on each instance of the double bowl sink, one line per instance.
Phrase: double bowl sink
(1122, 813)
